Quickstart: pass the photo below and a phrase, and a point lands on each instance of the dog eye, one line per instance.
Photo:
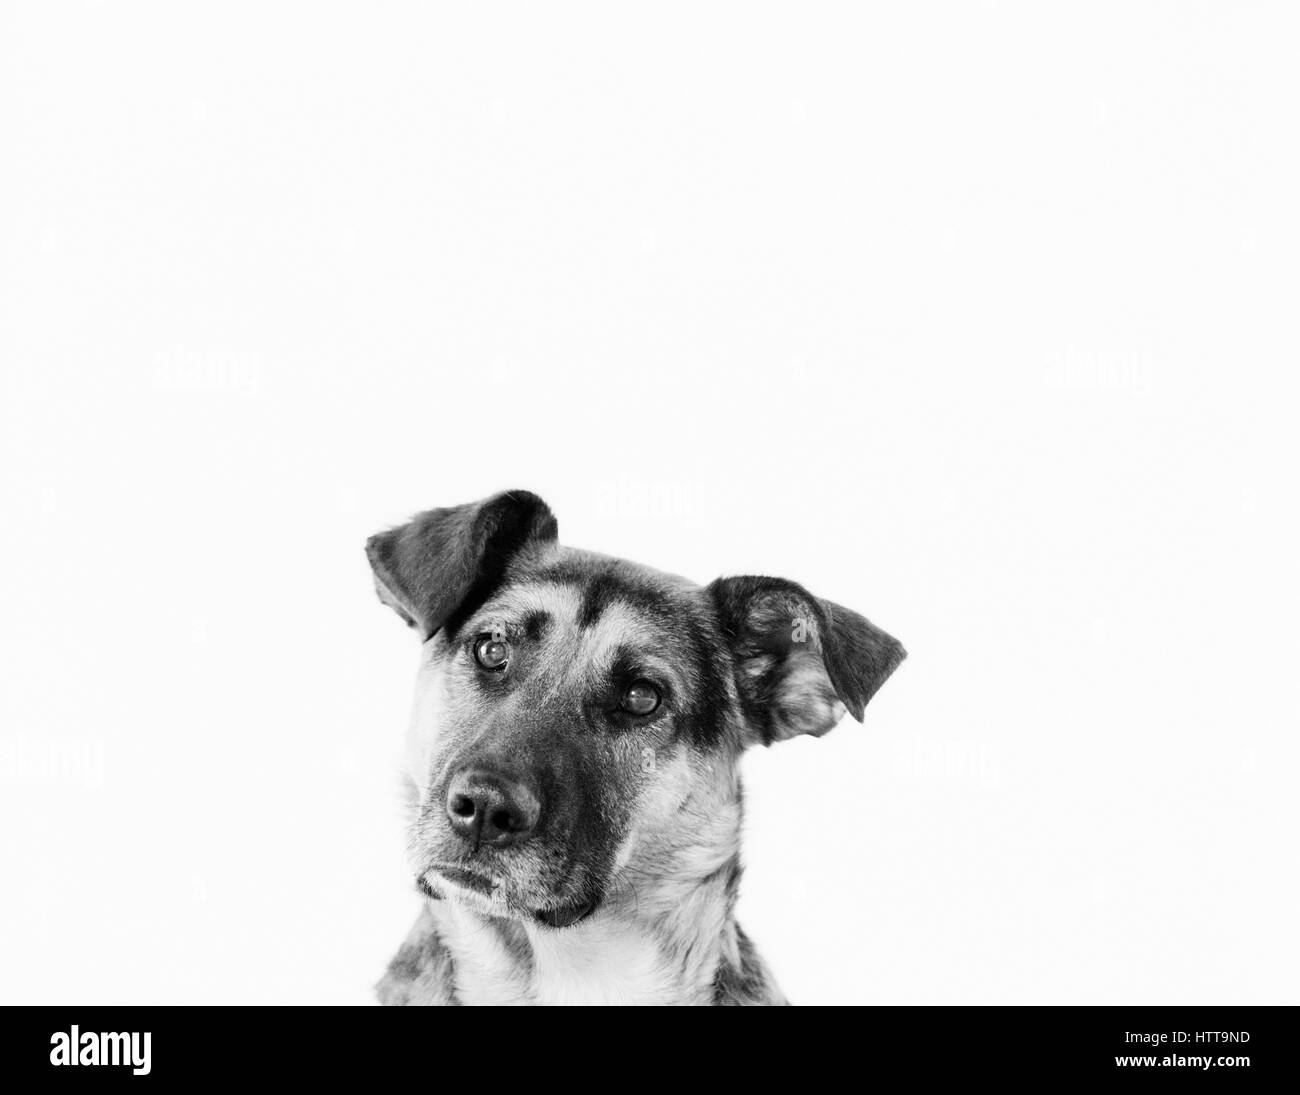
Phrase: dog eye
(641, 699)
(492, 654)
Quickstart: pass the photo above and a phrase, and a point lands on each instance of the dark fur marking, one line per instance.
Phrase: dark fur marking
(421, 972)
(535, 625)
(595, 599)
(712, 666)
(744, 983)
(602, 588)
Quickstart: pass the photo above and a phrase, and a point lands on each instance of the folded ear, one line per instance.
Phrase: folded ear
(438, 568)
(800, 661)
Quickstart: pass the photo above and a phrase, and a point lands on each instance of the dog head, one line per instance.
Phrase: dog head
(575, 711)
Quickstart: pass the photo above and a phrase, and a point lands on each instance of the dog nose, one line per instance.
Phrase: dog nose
(489, 808)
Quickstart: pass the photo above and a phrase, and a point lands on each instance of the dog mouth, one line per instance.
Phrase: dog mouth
(469, 880)
(559, 916)
(566, 915)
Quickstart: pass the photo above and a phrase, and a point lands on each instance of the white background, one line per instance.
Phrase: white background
(979, 319)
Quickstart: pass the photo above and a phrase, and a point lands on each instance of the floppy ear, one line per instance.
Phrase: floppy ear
(435, 570)
(800, 661)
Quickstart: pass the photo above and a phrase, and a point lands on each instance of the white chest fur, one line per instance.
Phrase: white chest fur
(601, 962)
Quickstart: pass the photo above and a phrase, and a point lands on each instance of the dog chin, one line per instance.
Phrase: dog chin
(484, 896)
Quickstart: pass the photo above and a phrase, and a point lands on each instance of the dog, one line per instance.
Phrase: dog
(572, 763)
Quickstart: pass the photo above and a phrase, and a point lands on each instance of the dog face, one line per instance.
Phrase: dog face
(574, 711)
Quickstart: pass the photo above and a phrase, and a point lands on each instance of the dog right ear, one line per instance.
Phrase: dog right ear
(801, 661)
(438, 568)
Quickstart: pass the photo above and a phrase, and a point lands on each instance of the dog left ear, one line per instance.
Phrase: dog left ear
(800, 661)
(441, 565)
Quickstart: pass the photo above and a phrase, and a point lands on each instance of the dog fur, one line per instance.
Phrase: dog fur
(615, 879)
